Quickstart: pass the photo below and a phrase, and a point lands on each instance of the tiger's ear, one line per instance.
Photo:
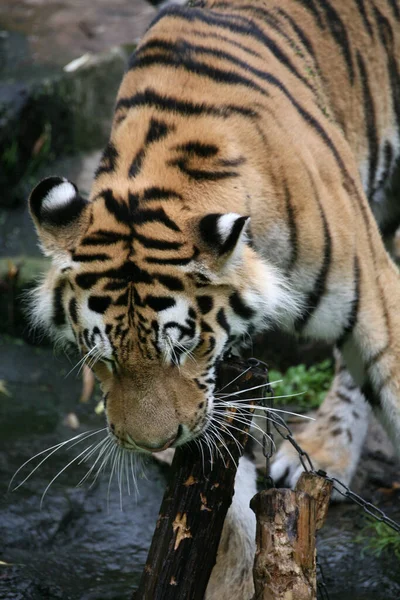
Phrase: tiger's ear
(223, 236)
(58, 212)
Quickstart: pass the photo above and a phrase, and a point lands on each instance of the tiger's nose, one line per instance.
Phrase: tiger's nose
(156, 447)
(159, 448)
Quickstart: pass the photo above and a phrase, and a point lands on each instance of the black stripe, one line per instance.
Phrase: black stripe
(198, 149)
(353, 313)
(364, 16)
(157, 244)
(240, 307)
(339, 34)
(174, 284)
(151, 98)
(172, 261)
(59, 317)
(101, 236)
(370, 395)
(205, 327)
(315, 296)
(387, 167)
(300, 33)
(314, 123)
(223, 38)
(73, 310)
(133, 201)
(233, 237)
(159, 303)
(137, 163)
(128, 271)
(108, 160)
(201, 174)
(123, 299)
(292, 229)
(115, 286)
(157, 131)
(343, 397)
(198, 68)
(157, 215)
(370, 124)
(119, 210)
(312, 7)
(222, 322)
(157, 193)
(89, 257)
(376, 357)
(387, 40)
(99, 304)
(205, 304)
(181, 48)
(395, 9)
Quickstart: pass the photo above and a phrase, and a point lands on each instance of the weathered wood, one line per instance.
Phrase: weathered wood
(320, 489)
(287, 521)
(199, 493)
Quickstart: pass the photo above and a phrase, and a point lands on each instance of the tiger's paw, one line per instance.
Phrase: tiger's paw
(338, 462)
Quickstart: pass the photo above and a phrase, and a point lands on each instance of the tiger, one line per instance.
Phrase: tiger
(250, 175)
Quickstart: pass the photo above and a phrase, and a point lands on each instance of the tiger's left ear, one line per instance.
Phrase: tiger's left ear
(224, 236)
(58, 212)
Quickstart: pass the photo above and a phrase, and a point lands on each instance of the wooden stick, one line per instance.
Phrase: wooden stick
(185, 542)
(287, 521)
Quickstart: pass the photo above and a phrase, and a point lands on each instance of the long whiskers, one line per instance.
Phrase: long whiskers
(94, 350)
(52, 450)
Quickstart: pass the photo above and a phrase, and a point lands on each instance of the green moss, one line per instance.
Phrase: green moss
(377, 538)
(302, 386)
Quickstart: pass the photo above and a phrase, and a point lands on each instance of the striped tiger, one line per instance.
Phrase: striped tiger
(252, 160)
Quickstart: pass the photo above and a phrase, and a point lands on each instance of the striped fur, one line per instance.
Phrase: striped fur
(285, 112)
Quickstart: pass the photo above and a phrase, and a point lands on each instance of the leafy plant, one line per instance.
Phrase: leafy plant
(377, 538)
(311, 383)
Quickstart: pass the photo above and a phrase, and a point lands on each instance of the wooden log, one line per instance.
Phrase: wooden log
(321, 490)
(200, 489)
(287, 521)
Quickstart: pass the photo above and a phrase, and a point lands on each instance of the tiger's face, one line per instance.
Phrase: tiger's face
(153, 314)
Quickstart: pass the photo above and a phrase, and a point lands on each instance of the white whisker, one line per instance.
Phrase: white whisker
(114, 455)
(104, 462)
(80, 438)
(243, 405)
(106, 445)
(235, 379)
(62, 471)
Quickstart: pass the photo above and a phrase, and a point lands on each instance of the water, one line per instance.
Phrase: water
(80, 546)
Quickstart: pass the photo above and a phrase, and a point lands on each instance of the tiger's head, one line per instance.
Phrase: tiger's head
(153, 295)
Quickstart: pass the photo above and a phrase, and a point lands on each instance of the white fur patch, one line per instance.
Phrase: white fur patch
(177, 314)
(60, 195)
(225, 225)
(272, 297)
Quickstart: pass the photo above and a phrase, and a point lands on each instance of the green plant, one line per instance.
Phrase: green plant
(377, 538)
(310, 383)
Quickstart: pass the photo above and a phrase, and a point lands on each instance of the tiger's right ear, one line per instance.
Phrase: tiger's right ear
(58, 212)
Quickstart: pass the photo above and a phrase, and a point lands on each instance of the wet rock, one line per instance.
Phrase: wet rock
(62, 113)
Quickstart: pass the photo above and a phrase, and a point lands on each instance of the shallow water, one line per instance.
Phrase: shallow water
(80, 546)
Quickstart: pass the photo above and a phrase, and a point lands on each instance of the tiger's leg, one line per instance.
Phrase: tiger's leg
(335, 439)
(372, 351)
(232, 575)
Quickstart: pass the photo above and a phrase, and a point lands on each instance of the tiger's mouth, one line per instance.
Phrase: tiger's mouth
(128, 443)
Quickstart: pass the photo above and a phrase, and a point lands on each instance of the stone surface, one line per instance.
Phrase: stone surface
(54, 32)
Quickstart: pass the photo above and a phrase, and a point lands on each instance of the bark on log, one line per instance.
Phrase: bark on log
(185, 542)
(287, 521)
